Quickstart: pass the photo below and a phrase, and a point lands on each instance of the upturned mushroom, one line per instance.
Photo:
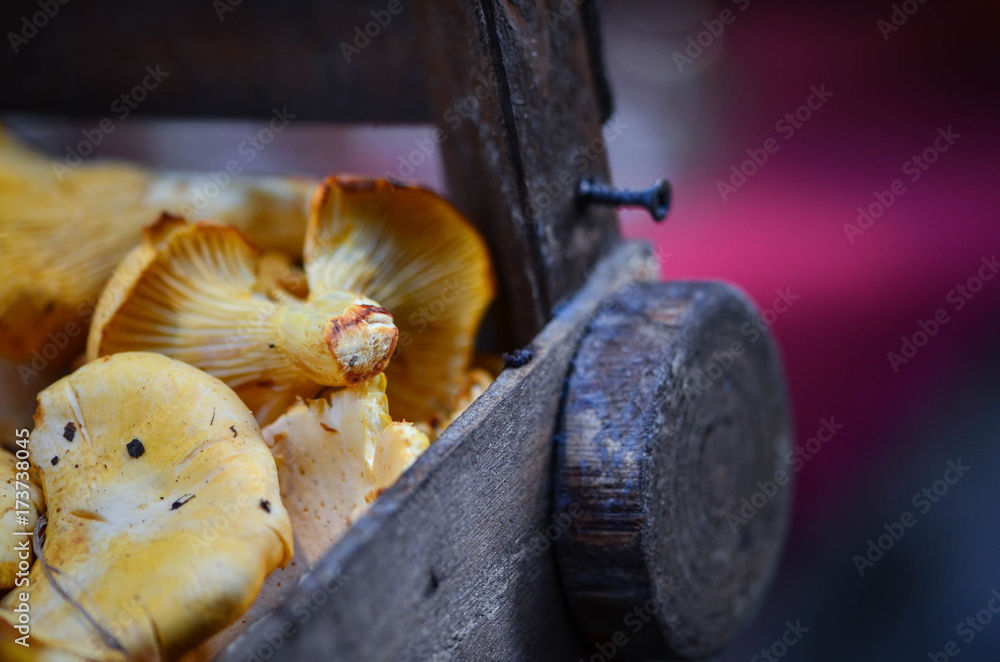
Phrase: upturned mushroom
(335, 455)
(414, 253)
(63, 230)
(164, 512)
(192, 292)
(21, 502)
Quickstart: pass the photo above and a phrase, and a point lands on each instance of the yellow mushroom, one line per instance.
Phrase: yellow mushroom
(62, 231)
(191, 292)
(335, 455)
(411, 251)
(164, 513)
(21, 502)
(477, 380)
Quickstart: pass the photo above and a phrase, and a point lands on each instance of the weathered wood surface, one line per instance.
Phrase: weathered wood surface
(675, 411)
(522, 109)
(452, 562)
(224, 58)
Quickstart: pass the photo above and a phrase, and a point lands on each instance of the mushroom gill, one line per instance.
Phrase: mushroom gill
(409, 249)
(191, 292)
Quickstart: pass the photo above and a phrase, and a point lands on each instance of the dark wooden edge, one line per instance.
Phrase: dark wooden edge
(348, 61)
(591, 12)
(521, 113)
(453, 559)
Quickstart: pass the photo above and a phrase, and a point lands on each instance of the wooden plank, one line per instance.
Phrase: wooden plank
(452, 562)
(223, 58)
(673, 415)
(521, 112)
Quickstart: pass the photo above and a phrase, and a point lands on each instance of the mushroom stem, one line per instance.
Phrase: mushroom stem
(339, 339)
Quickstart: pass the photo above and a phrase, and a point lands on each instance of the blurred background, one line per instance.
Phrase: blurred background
(875, 208)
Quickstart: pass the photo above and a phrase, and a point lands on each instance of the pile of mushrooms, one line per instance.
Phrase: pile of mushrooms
(255, 374)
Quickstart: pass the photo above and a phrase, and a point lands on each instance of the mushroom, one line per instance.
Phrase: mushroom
(164, 513)
(334, 454)
(21, 502)
(477, 380)
(411, 251)
(63, 230)
(192, 292)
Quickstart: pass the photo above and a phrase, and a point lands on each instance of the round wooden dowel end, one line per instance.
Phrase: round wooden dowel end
(675, 413)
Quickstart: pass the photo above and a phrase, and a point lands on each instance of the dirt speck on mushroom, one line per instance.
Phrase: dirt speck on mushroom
(135, 448)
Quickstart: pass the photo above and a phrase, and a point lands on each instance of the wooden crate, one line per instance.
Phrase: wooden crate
(586, 498)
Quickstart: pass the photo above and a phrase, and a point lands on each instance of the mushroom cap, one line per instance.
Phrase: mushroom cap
(192, 292)
(164, 513)
(15, 484)
(63, 230)
(414, 253)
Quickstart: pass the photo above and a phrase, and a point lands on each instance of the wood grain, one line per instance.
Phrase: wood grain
(675, 412)
(522, 108)
(452, 562)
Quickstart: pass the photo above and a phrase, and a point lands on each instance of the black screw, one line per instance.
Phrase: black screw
(655, 200)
